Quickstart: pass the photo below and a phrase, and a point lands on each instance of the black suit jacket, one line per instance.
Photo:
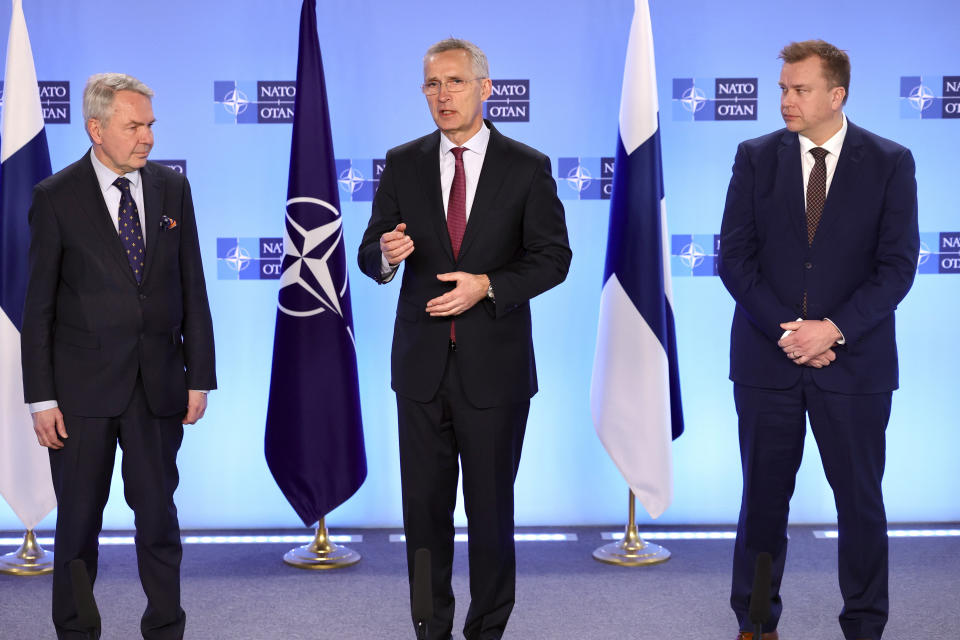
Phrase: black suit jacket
(88, 327)
(516, 234)
(860, 266)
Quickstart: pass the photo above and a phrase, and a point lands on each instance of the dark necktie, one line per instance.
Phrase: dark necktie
(816, 191)
(457, 211)
(128, 226)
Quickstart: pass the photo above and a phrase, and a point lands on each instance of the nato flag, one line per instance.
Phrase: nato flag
(314, 432)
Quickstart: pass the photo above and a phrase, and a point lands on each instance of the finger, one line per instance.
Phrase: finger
(400, 228)
(791, 326)
(450, 277)
(61, 426)
(403, 256)
(440, 300)
(445, 309)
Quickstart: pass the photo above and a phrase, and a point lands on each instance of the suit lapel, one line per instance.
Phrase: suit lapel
(842, 194)
(153, 211)
(90, 200)
(428, 170)
(790, 183)
(496, 162)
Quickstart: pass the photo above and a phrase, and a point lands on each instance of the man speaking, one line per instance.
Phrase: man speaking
(475, 217)
(117, 344)
(820, 224)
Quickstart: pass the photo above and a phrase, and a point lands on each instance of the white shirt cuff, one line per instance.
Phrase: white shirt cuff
(842, 340)
(42, 406)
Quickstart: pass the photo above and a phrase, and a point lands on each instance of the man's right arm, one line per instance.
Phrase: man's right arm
(385, 243)
(739, 264)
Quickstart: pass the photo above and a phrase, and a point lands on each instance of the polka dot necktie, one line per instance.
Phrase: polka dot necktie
(457, 212)
(816, 198)
(128, 226)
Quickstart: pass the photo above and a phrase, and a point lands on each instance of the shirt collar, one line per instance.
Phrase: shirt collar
(476, 144)
(106, 176)
(833, 145)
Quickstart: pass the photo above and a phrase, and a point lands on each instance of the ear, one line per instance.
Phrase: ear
(95, 131)
(839, 93)
(486, 89)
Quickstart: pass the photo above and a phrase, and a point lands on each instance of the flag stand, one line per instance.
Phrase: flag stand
(322, 553)
(29, 560)
(632, 550)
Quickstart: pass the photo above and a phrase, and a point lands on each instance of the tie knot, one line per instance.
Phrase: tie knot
(819, 153)
(122, 183)
(458, 152)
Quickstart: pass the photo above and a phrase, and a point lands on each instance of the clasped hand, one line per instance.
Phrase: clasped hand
(810, 342)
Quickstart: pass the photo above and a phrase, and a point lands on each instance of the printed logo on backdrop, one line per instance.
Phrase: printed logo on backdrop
(54, 100)
(249, 102)
(939, 252)
(694, 254)
(584, 178)
(927, 97)
(509, 101)
(697, 99)
(249, 258)
(359, 179)
(180, 166)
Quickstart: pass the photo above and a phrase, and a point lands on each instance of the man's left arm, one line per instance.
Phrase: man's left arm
(895, 266)
(197, 326)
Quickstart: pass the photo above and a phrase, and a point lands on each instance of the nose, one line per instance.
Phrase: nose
(146, 136)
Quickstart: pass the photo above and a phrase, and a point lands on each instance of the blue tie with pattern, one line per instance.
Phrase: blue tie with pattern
(128, 225)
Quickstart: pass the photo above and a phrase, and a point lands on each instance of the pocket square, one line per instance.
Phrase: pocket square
(167, 223)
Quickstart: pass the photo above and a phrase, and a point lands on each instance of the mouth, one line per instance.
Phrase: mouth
(447, 112)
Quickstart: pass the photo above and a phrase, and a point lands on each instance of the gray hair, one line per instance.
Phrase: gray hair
(101, 89)
(479, 59)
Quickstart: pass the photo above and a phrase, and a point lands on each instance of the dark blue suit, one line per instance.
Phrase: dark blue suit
(859, 267)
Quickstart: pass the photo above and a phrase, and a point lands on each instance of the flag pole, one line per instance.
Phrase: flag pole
(29, 560)
(632, 550)
(322, 553)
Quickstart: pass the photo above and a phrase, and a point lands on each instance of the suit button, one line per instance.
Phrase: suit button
(143, 296)
(808, 265)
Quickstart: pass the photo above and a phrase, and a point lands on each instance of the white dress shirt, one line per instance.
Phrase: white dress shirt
(111, 194)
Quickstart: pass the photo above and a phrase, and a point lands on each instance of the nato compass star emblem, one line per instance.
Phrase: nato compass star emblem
(312, 280)
(235, 102)
(238, 258)
(692, 255)
(579, 178)
(693, 99)
(351, 180)
(920, 98)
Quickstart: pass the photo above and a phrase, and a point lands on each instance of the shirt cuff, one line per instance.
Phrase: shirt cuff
(43, 405)
(201, 390)
(842, 340)
(387, 270)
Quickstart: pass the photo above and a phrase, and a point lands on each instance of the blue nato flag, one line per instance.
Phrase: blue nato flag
(314, 432)
(635, 391)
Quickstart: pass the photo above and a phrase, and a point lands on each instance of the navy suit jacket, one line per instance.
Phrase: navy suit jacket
(860, 266)
(516, 234)
(88, 327)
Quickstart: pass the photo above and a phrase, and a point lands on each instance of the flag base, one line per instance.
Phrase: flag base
(632, 550)
(29, 560)
(321, 553)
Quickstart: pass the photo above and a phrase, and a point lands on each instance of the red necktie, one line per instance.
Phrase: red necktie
(457, 211)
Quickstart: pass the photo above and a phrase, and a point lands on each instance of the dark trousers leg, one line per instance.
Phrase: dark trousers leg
(433, 436)
(81, 473)
(851, 434)
(772, 425)
(150, 444)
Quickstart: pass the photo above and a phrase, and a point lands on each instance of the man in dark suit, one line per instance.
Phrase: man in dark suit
(475, 217)
(117, 344)
(820, 224)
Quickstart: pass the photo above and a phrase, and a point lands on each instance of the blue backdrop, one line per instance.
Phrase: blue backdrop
(571, 56)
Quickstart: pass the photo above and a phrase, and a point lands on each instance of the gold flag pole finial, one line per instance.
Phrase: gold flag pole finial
(632, 551)
(322, 553)
(29, 560)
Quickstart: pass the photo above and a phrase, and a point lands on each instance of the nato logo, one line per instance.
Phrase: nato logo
(694, 254)
(359, 179)
(180, 166)
(696, 99)
(248, 102)
(939, 252)
(926, 97)
(509, 101)
(584, 178)
(249, 258)
(54, 100)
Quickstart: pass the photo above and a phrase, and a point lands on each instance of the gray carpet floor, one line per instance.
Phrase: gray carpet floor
(245, 592)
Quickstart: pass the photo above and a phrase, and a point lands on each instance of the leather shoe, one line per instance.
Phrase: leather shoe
(748, 635)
